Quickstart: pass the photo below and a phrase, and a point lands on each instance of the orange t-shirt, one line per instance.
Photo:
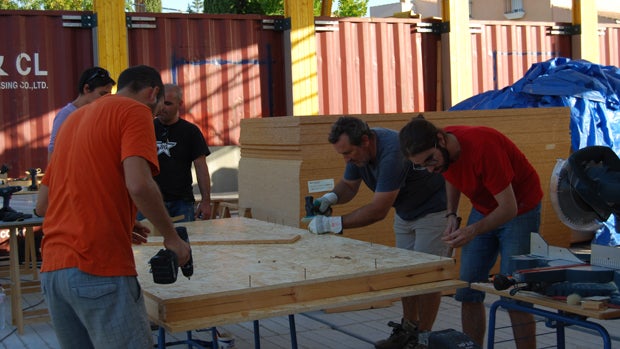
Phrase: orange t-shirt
(90, 215)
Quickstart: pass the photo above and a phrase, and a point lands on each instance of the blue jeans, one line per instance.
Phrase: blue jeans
(480, 254)
(90, 311)
(177, 208)
(181, 207)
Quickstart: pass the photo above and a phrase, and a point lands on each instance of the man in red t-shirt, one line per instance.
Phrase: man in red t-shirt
(101, 169)
(505, 193)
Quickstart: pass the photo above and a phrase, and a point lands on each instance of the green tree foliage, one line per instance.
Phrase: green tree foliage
(78, 5)
(351, 8)
(195, 6)
(261, 7)
(152, 5)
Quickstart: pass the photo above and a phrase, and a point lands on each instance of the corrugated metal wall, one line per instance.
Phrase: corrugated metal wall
(232, 68)
(40, 64)
(504, 51)
(610, 44)
(371, 66)
(229, 67)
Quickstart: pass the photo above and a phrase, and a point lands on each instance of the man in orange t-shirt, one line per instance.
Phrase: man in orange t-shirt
(101, 169)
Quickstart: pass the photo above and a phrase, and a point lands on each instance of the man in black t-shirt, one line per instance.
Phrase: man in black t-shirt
(180, 144)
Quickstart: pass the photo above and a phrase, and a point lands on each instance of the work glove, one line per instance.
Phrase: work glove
(325, 202)
(324, 224)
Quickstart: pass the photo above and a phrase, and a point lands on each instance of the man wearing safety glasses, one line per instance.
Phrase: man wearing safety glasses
(505, 193)
(372, 155)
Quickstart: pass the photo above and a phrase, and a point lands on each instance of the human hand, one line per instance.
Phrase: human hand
(203, 211)
(179, 247)
(325, 202)
(460, 237)
(140, 233)
(324, 224)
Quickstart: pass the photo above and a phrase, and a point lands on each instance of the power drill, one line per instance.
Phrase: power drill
(165, 264)
(8, 214)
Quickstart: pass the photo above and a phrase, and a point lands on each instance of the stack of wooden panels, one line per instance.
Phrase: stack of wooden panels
(280, 157)
(245, 269)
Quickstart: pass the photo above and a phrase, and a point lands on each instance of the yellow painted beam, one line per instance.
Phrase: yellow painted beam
(326, 8)
(586, 44)
(304, 80)
(456, 53)
(111, 50)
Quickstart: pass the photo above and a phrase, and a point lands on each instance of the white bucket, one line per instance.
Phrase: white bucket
(225, 341)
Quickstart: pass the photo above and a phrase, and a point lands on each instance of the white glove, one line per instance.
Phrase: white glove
(324, 224)
(325, 202)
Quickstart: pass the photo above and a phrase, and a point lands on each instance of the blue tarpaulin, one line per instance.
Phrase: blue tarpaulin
(591, 91)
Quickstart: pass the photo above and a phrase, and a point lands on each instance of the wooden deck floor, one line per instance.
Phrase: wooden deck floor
(345, 330)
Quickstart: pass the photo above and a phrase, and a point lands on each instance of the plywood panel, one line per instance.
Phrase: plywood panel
(240, 278)
(542, 134)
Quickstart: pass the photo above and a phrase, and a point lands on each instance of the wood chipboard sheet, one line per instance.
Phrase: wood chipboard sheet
(241, 278)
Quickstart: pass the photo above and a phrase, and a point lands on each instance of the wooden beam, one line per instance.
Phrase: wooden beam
(326, 8)
(110, 48)
(456, 53)
(586, 44)
(304, 85)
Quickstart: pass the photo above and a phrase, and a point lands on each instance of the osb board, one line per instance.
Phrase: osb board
(541, 133)
(232, 279)
(229, 232)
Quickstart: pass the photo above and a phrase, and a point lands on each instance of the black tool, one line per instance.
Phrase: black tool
(33, 172)
(503, 282)
(8, 214)
(313, 209)
(165, 265)
(188, 268)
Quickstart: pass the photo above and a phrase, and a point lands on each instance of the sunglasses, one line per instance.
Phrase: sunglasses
(99, 73)
(429, 161)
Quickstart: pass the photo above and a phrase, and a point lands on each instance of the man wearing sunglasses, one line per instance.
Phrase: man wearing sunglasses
(505, 193)
(419, 198)
(94, 83)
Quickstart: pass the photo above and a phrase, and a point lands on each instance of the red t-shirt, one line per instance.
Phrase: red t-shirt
(90, 215)
(488, 162)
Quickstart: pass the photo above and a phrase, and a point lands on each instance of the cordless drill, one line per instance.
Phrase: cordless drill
(8, 214)
(165, 264)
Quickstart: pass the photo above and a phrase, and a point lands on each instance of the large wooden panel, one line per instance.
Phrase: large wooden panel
(542, 134)
(236, 281)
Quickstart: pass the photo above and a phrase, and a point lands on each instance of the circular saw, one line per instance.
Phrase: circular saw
(585, 188)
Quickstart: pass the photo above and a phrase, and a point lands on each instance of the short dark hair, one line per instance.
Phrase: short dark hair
(417, 136)
(139, 77)
(351, 126)
(94, 77)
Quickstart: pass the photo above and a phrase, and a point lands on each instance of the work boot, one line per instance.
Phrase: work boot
(403, 335)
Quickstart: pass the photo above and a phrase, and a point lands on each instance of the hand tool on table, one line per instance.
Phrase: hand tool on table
(33, 173)
(8, 214)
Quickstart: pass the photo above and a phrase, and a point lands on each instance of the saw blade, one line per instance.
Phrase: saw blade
(568, 205)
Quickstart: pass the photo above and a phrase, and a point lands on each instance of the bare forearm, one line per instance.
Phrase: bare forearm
(362, 217)
(204, 180)
(42, 200)
(150, 203)
(345, 191)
